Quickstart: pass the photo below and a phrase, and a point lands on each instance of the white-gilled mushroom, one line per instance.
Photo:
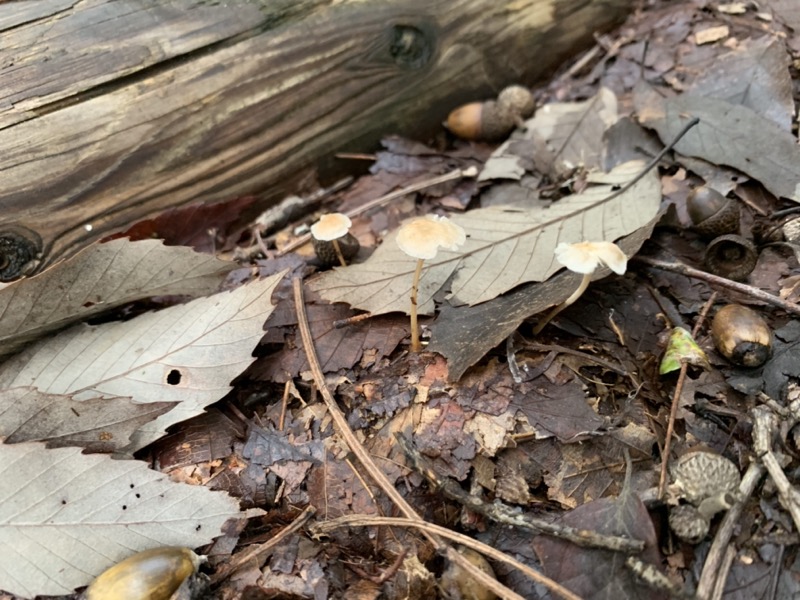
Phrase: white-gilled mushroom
(421, 238)
(332, 239)
(584, 258)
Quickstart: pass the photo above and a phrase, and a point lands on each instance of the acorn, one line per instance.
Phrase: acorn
(731, 256)
(712, 214)
(741, 336)
(150, 575)
(492, 120)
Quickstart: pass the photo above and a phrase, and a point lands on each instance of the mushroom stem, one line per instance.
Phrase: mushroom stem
(416, 346)
(715, 504)
(338, 251)
(587, 277)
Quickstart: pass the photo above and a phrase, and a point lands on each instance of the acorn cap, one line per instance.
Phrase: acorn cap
(712, 213)
(331, 227)
(326, 252)
(688, 524)
(584, 257)
(702, 474)
(422, 237)
(518, 99)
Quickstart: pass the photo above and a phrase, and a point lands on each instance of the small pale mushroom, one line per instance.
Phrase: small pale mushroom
(332, 239)
(584, 258)
(421, 238)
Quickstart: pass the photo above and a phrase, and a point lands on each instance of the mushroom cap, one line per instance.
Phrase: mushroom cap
(701, 474)
(584, 257)
(421, 238)
(331, 227)
(688, 524)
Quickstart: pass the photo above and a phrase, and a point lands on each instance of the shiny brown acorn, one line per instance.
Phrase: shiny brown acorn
(712, 214)
(150, 575)
(741, 335)
(492, 120)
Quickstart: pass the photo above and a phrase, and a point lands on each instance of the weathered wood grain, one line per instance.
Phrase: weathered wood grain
(111, 112)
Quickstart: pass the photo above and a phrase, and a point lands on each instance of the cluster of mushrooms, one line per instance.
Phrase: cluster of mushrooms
(708, 483)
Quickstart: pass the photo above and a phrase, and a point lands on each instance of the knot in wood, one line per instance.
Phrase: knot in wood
(410, 46)
(20, 249)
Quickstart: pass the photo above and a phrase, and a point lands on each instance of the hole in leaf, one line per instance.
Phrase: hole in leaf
(174, 377)
(124, 507)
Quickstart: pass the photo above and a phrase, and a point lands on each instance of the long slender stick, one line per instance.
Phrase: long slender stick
(751, 291)
(676, 400)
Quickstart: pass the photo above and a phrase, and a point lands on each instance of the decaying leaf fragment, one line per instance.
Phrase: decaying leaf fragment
(505, 247)
(186, 354)
(96, 424)
(65, 517)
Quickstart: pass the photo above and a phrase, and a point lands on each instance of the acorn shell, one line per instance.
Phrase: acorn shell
(741, 335)
(712, 214)
(731, 256)
(150, 575)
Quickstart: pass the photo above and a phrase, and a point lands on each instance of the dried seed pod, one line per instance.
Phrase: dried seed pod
(741, 335)
(688, 523)
(701, 474)
(150, 575)
(712, 214)
(731, 256)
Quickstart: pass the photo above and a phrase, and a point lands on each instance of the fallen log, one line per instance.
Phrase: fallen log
(113, 111)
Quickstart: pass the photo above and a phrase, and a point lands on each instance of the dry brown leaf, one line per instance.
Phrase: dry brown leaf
(97, 279)
(96, 424)
(505, 247)
(727, 134)
(186, 354)
(65, 517)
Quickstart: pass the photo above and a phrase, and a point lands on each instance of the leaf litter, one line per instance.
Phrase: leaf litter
(586, 403)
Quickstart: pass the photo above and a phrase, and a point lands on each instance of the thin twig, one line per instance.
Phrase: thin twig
(716, 554)
(457, 174)
(365, 459)
(712, 279)
(366, 521)
(257, 552)
(504, 514)
(676, 397)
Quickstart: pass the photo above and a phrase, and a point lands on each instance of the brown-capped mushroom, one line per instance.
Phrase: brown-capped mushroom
(421, 238)
(584, 258)
(332, 239)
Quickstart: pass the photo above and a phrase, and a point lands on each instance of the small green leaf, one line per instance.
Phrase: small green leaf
(682, 348)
